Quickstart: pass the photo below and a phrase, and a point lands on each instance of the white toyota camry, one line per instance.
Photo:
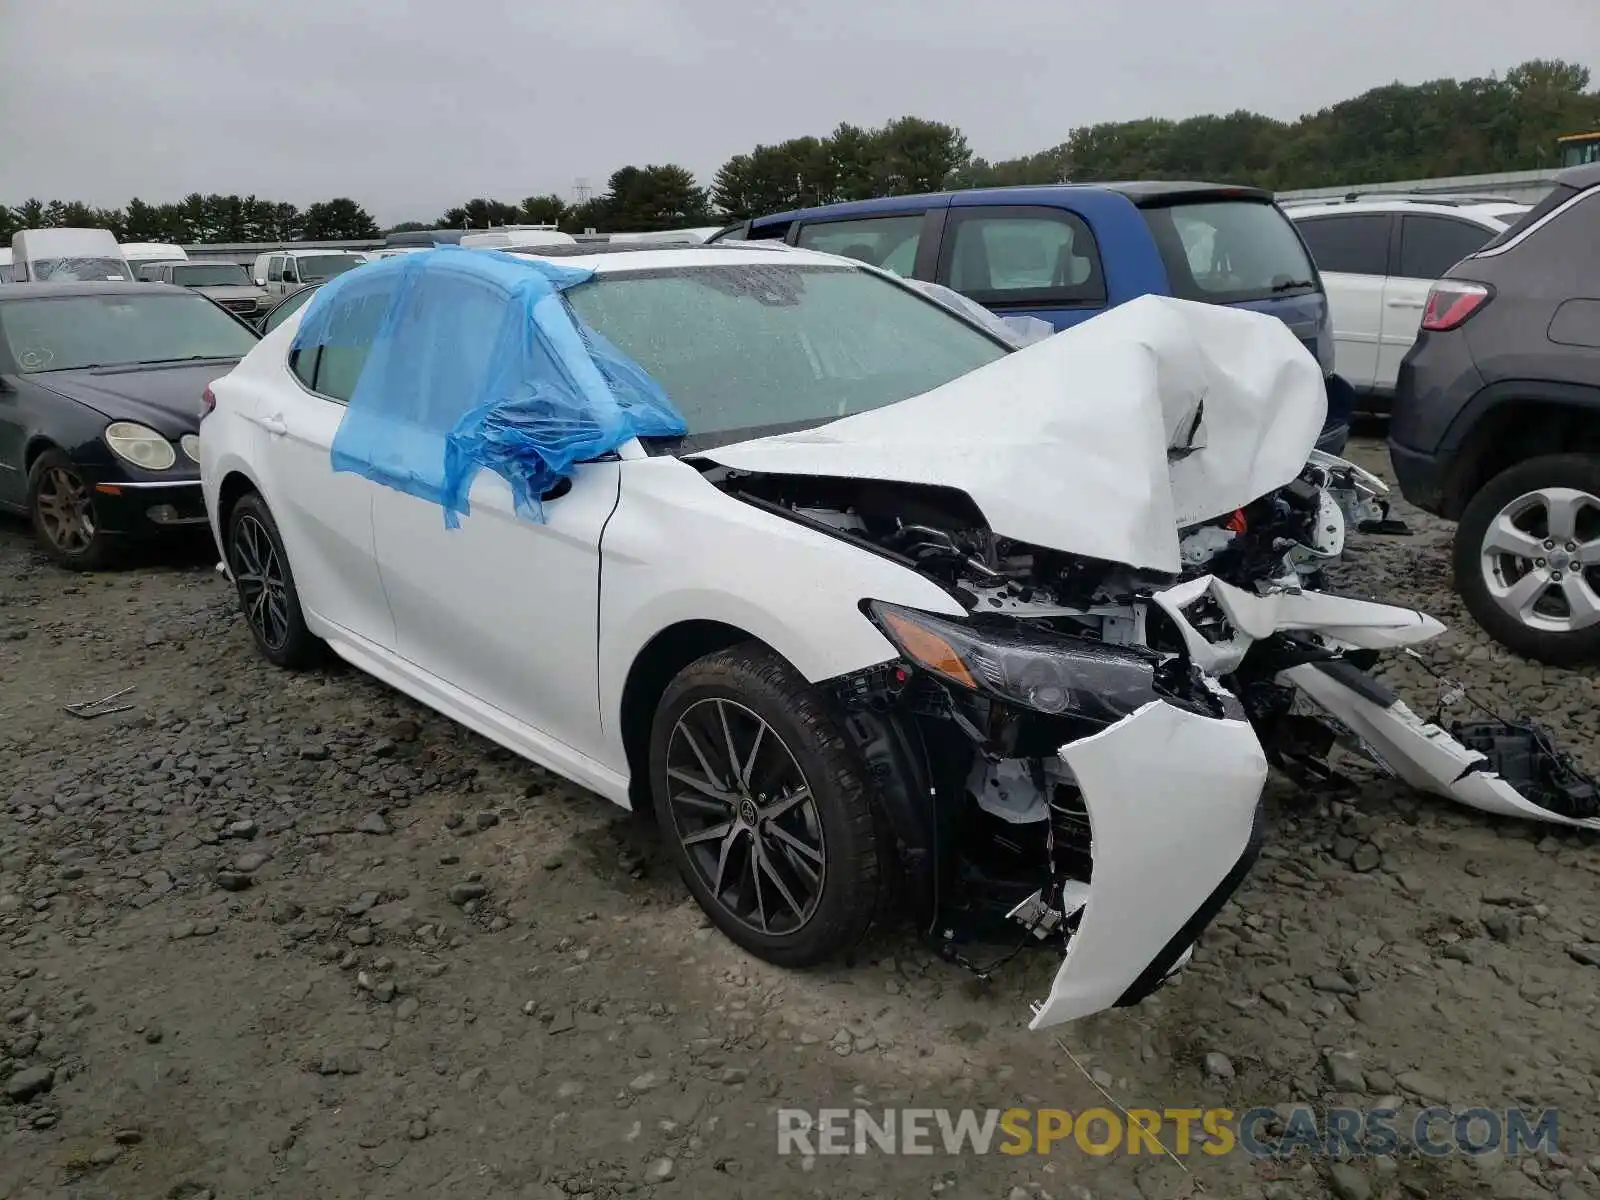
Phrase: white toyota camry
(842, 587)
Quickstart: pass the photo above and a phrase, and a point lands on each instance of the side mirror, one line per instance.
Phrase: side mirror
(260, 281)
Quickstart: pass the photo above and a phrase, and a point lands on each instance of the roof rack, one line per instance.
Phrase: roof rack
(1449, 199)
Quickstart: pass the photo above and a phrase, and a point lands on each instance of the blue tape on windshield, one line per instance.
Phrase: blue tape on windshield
(458, 360)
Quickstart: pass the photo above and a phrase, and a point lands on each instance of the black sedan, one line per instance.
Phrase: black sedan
(100, 392)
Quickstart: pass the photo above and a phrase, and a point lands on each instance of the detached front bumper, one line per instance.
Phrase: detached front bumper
(1173, 800)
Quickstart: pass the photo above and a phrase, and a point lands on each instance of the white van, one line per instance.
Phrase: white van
(67, 255)
(5, 266)
(140, 253)
(285, 271)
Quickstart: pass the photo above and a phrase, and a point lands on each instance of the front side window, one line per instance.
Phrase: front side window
(1351, 245)
(1430, 246)
(887, 242)
(1226, 251)
(748, 349)
(210, 275)
(79, 270)
(75, 332)
(1024, 256)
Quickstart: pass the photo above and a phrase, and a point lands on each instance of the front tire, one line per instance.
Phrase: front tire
(267, 595)
(61, 509)
(1527, 558)
(764, 807)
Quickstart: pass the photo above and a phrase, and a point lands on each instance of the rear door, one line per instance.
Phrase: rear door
(1426, 246)
(1352, 255)
(1024, 260)
(325, 516)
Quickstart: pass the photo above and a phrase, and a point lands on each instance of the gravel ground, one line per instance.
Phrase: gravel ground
(274, 935)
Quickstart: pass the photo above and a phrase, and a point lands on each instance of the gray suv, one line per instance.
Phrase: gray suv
(1497, 424)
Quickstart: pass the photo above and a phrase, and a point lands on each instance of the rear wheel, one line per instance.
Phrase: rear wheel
(1527, 558)
(764, 807)
(61, 507)
(267, 594)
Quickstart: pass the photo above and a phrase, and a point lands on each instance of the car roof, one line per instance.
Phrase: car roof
(1580, 177)
(607, 259)
(1504, 211)
(95, 287)
(1142, 192)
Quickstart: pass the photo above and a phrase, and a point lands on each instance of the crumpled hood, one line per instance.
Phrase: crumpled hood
(1103, 440)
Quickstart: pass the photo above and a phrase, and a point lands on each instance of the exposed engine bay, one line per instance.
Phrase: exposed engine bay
(1056, 647)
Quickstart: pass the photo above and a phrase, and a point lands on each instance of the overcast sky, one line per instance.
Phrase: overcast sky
(303, 100)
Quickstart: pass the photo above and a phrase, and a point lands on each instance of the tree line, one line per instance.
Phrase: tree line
(1399, 131)
(198, 218)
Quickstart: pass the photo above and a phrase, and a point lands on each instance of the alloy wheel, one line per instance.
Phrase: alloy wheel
(745, 816)
(263, 589)
(1540, 559)
(65, 512)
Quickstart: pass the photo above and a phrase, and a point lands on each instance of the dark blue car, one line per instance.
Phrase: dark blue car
(1064, 252)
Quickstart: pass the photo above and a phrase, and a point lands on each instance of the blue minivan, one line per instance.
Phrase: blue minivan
(1064, 252)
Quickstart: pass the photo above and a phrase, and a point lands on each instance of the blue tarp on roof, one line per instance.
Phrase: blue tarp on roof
(465, 359)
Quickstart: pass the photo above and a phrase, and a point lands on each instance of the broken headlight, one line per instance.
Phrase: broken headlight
(1036, 668)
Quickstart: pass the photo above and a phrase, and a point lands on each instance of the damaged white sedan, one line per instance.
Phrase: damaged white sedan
(821, 572)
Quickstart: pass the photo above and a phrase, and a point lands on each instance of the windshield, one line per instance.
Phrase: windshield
(79, 270)
(752, 349)
(317, 267)
(1230, 250)
(210, 274)
(71, 332)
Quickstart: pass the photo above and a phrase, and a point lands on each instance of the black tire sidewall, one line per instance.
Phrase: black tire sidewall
(301, 647)
(758, 679)
(1580, 471)
(101, 550)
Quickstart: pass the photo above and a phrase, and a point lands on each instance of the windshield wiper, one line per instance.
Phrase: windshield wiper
(1290, 285)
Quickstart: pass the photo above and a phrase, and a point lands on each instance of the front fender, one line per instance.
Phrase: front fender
(678, 549)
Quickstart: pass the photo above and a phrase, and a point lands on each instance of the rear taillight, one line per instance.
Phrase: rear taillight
(1451, 302)
(208, 403)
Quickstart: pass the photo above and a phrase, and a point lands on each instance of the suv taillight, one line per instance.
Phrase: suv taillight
(208, 403)
(1451, 302)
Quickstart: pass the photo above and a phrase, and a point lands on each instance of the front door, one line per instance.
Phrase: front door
(505, 607)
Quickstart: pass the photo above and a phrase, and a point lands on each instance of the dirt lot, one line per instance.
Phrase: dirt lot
(274, 935)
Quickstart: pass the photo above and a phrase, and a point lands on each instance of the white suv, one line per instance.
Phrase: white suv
(1378, 255)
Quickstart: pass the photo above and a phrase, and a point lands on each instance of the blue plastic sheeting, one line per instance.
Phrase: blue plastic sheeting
(456, 360)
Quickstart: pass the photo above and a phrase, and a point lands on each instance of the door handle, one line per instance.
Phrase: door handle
(274, 425)
(1405, 303)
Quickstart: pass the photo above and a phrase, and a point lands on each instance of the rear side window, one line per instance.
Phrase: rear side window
(1430, 246)
(332, 366)
(1021, 256)
(887, 242)
(1223, 251)
(1351, 245)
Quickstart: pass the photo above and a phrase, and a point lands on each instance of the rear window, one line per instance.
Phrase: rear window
(1226, 251)
(1557, 196)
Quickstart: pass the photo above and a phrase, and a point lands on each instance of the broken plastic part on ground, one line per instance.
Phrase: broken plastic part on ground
(475, 361)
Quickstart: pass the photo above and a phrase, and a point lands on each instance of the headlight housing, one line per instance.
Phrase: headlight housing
(1035, 668)
(140, 445)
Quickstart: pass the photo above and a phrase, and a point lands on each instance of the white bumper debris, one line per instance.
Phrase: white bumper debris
(1421, 753)
(1172, 801)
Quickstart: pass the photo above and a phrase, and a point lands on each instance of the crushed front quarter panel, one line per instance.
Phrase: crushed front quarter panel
(1172, 799)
